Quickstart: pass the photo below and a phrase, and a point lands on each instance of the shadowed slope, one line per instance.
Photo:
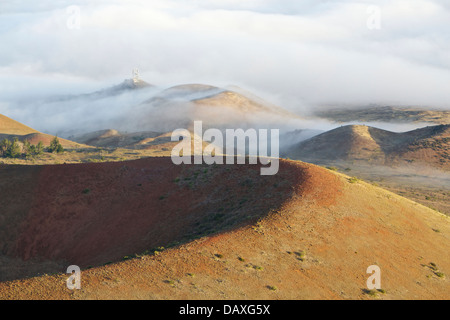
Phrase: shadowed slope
(90, 214)
(317, 242)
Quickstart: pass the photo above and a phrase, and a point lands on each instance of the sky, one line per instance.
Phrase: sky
(297, 54)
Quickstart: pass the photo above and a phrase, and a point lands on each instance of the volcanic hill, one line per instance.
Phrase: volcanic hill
(425, 146)
(217, 107)
(10, 129)
(214, 232)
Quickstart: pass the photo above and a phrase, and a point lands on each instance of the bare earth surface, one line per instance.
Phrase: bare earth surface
(305, 233)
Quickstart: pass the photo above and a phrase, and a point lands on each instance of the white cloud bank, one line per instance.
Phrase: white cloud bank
(294, 53)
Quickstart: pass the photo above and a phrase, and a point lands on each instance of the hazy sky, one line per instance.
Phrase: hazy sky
(293, 53)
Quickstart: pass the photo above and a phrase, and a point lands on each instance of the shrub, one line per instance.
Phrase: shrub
(10, 149)
(353, 180)
(55, 146)
(171, 282)
(372, 293)
(5, 144)
(39, 149)
(301, 255)
(27, 149)
(14, 149)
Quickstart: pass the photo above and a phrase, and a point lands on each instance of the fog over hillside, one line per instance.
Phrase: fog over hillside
(295, 54)
(224, 150)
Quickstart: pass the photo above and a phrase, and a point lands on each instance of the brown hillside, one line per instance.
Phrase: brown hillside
(429, 146)
(145, 140)
(11, 129)
(9, 126)
(307, 232)
(35, 138)
(115, 139)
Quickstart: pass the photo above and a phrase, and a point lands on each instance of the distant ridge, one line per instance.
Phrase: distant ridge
(375, 113)
(428, 145)
(126, 86)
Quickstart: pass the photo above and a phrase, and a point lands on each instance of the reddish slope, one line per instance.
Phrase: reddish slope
(35, 138)
(91, 214)
(341, 227)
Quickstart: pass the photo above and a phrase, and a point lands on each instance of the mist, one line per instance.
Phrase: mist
(295, 54)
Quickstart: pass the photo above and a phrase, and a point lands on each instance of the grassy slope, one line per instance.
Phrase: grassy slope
(10, 126)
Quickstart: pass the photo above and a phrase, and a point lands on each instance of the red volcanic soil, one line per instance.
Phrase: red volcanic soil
(90, 214)
(305, 233)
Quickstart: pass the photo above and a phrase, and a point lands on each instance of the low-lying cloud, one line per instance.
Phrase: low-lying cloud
(297, 54)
